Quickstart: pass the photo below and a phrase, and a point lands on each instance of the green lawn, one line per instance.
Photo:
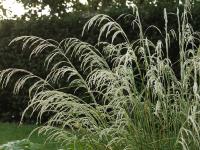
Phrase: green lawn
(11, 132)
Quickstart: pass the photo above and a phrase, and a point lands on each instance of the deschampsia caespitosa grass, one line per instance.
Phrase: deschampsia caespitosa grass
(130, 96)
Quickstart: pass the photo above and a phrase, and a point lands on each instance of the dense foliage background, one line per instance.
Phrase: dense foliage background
(59, 25)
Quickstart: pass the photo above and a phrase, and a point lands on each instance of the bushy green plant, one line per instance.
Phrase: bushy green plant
(125, 93)
(20, 145)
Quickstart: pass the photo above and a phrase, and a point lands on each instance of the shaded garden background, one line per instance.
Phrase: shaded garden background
(60, 24)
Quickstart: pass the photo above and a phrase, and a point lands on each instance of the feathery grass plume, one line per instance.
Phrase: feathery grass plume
(130, 95)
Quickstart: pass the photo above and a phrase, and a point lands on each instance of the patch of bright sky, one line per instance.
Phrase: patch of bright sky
(13, 8)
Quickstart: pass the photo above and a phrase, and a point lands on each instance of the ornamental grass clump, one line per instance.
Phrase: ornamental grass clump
(117, 94)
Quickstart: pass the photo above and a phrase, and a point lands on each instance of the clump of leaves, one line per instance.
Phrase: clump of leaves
(117, 94)
(20, 145)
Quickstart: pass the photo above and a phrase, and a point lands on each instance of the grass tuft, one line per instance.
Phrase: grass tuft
(117, 94)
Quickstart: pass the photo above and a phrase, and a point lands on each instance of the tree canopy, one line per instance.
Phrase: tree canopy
(61, 7)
